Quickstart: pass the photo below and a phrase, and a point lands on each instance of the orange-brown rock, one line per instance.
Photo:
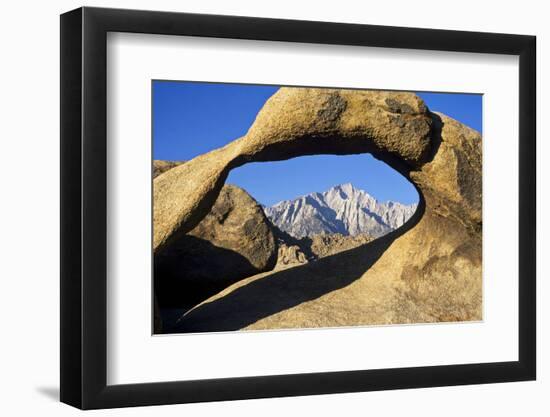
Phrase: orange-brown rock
(429, 270)
(233, 241)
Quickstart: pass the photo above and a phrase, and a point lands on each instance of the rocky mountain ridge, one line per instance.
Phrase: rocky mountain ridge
(342, 209)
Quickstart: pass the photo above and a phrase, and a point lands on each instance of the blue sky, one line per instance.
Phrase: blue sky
(193, 118)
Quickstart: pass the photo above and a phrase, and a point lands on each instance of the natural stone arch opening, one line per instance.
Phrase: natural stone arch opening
(237, 239)
(442, 159)
(326, 194)
(298, 122)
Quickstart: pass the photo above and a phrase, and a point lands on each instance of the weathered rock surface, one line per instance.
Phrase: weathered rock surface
(232, 242)
(160, 166)
(293, 251)
(294, 122)
(290, 255)
(326, 245)
(429, 270)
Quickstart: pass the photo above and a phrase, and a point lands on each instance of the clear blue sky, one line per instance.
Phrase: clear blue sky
(193, 118)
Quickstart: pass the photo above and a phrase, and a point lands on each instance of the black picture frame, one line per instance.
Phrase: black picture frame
(84, 194)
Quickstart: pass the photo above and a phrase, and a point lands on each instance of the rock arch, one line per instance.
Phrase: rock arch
(430, 273)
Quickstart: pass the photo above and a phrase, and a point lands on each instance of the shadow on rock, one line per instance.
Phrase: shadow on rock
(194, 270)
(285, 289)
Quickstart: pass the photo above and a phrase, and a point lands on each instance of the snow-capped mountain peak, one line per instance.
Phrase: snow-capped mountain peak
(341, 209)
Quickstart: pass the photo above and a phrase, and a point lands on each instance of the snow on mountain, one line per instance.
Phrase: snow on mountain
(342, 209)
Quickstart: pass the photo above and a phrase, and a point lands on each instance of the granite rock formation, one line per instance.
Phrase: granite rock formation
(290, 255)
(233, 241)
(330, 244)
(160, 166)
(294, 122)
(429, 270)
(293, 251)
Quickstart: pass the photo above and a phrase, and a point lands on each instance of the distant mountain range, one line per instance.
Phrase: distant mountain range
(342, 209)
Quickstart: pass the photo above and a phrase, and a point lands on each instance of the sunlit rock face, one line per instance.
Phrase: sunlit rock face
(428, 270)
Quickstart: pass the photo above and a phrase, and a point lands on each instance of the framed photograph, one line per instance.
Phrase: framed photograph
(258, 208)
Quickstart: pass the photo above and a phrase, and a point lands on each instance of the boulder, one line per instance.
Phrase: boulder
(232, 242)
(294, 251)
(290, 255)
(323, 245)
(429, 270)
